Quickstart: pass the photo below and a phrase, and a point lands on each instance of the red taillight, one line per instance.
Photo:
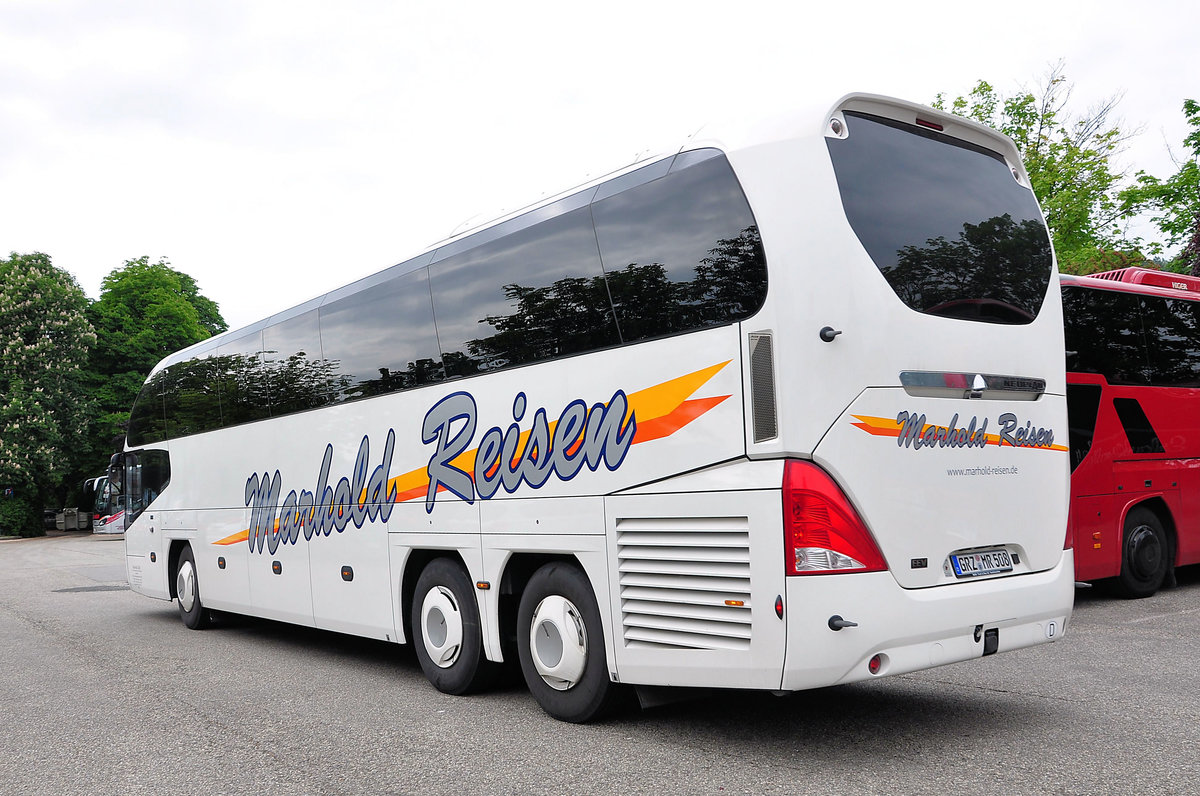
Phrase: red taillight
(822, 532)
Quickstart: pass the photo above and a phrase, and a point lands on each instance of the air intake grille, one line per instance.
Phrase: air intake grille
(1116, 276)
(685, 582)
(762, 387)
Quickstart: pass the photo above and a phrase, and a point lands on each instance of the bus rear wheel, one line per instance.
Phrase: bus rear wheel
(560, 642)
(1145, 554)
(187, 590)
(446, 630)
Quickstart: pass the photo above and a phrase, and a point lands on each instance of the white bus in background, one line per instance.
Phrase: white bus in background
(783, 409)
(103, 505)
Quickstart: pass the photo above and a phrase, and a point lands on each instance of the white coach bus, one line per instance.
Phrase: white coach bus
(783, 409)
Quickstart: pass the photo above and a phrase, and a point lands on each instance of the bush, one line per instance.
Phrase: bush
(20, 517)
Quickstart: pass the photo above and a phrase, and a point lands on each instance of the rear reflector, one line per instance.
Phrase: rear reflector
(822, 531)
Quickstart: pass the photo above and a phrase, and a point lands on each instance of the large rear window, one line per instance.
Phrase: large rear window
(945, 221)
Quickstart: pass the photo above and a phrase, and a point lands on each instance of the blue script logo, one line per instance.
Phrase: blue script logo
(917, 433)
(580, 437)
(356, 500)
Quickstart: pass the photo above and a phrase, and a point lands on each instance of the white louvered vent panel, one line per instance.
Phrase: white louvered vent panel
(685, 582)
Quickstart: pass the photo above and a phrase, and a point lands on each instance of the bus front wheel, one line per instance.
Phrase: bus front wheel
(1145, 554)
(187, 590)
(561, 645)
(446, 630)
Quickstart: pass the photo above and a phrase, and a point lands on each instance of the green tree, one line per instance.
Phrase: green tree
(145, 311)
(1176, 200)
(1070, 161)
(45, 338)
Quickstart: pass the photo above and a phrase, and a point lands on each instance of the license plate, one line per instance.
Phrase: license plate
(982, 562)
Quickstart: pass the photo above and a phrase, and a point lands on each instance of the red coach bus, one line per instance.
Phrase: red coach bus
(1133, 399)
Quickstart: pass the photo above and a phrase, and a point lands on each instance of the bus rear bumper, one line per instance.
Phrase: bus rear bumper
(914, 629)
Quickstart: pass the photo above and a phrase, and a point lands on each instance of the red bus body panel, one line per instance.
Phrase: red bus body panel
(1112, 479)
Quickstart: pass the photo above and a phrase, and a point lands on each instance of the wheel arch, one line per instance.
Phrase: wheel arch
(1157, 505)
(173, 553)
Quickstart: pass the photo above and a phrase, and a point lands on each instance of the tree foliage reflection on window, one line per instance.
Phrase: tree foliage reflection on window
(936, 276)
(575, 314)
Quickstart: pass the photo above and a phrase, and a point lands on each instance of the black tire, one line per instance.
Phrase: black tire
(443, 610)
(1145, 554)
(187, 591)
(586, 693)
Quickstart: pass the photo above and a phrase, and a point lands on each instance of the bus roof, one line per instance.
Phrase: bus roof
(728, 136)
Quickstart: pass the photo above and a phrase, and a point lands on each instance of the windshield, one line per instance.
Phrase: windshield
(945, 221)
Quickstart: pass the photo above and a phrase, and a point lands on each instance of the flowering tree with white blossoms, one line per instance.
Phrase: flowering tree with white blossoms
(45, 338)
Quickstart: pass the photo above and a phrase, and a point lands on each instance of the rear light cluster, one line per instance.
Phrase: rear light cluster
(822, 531)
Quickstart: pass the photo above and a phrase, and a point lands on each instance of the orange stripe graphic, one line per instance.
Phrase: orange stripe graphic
(665, 426)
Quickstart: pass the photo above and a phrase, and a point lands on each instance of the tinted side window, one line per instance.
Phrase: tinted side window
(381, 340)
(148, 473)
(681, 252)
(147, 418)
(1104, 334)
(1083, 407)
(136, 479)
(529, 296)
(298, 377)
(684, 253)
(194, 398)
(1141, 435)
(1173, 337)
(238, 368)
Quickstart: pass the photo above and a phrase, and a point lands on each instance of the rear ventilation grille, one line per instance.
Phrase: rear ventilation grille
(762, 387)
(685, 582)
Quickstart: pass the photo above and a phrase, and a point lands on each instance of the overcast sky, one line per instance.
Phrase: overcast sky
(276, 150)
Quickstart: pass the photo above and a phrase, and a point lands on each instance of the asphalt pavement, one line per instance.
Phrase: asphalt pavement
(105, 692)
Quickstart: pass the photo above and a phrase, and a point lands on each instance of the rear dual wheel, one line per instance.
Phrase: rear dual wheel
(560, 642)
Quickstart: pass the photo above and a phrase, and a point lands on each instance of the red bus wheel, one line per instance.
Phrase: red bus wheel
(1145, 554)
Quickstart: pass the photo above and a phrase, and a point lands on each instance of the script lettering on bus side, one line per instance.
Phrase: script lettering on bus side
(356, 500)
(916, 433)
(581, 437)
(1027, 436)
